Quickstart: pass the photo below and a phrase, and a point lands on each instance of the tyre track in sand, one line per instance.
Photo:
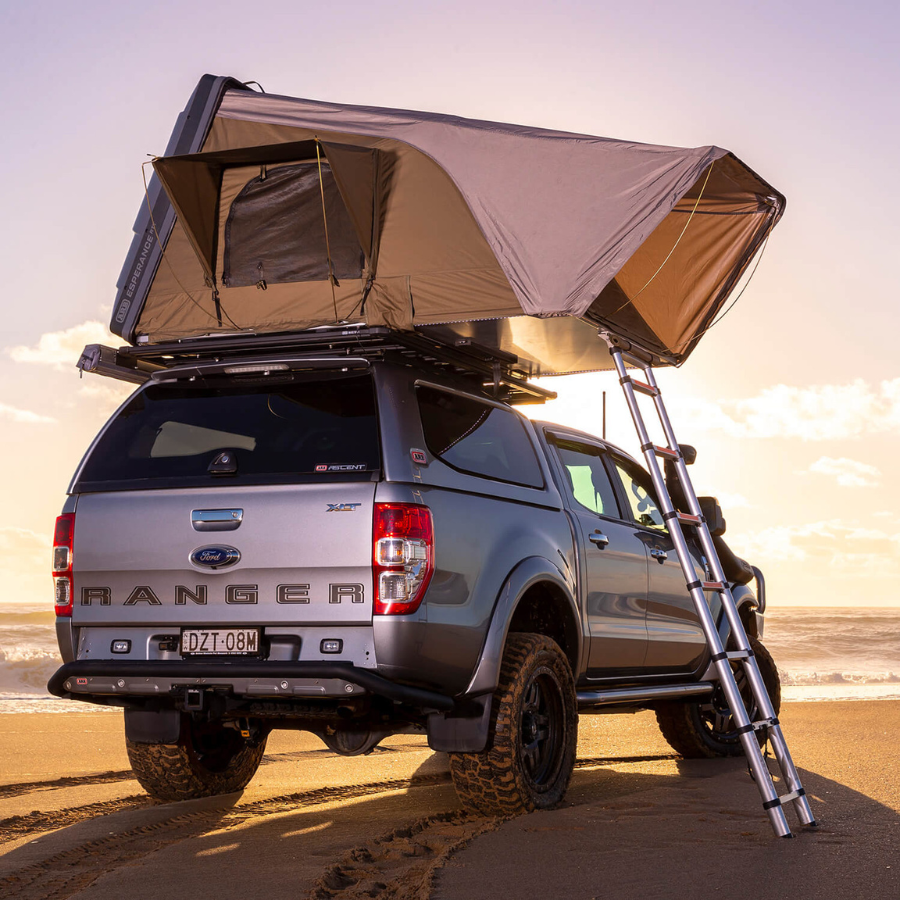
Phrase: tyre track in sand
(38, 822)
(400, 864)
(74, 869)
(32, 787)
(17, 789)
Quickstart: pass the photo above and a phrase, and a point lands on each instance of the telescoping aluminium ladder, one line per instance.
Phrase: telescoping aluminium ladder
(623, 352)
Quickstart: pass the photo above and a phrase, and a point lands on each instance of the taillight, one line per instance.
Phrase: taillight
(403, 557)
(63, 542)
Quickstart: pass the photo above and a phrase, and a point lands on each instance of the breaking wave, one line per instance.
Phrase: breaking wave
(796, 679)
(820, 653)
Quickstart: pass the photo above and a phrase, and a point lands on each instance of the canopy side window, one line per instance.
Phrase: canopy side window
(275, 230)
(478, 438)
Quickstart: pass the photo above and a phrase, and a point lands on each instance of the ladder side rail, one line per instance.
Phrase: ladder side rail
(751, 668)
(755, 759)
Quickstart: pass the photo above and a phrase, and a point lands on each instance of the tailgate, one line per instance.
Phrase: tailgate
(304, 555)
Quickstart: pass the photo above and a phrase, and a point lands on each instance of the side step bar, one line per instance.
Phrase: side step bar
(587, 698)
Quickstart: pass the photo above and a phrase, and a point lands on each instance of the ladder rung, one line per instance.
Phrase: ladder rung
(758, 726)
(707, 585)
(732, 654)
(643, 388)
(664, 452)
(688, 519)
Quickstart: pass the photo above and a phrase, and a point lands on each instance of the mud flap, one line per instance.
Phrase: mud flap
(454, 733)
(143, 727)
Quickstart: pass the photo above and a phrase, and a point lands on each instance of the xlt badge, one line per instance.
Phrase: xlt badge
(342, 507)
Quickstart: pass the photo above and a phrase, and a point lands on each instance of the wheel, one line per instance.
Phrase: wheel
(707, 729)
(207, 760)
(530, 752)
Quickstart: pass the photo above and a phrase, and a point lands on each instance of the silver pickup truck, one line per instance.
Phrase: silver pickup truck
(358, 547)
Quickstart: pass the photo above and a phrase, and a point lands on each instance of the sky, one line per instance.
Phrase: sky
(793, 401)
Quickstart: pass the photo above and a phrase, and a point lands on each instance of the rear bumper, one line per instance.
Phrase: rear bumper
(105, 679)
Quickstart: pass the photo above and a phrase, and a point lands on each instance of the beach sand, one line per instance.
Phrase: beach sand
(638, 822)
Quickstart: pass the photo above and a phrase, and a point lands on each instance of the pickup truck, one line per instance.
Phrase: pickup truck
(359, 547)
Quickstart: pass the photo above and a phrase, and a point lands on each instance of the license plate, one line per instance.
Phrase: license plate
(220, 642)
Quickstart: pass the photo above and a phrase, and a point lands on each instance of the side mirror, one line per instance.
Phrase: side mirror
(689, 453)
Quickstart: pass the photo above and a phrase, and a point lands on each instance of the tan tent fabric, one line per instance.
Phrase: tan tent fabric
(464, 221)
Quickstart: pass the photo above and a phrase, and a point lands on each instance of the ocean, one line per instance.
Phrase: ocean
(822, 654)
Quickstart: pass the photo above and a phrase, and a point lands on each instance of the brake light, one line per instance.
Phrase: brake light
(403, 557)
(63, 558)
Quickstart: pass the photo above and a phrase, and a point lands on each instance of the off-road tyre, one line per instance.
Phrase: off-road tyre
(519, 770)
(204, 763)
(706, 729)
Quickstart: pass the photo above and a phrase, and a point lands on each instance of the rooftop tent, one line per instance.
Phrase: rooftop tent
(520, 238)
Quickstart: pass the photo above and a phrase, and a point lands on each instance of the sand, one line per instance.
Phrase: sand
(638, 822)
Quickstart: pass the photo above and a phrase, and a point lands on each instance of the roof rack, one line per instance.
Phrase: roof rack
(495, 371)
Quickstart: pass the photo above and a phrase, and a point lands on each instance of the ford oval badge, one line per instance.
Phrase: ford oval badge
(215, 557)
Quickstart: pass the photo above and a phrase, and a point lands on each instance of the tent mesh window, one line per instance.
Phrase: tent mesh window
(275, 231)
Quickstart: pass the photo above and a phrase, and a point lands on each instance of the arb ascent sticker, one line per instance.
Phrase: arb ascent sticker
(353, 467)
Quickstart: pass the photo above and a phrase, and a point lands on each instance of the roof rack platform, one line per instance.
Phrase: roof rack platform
(495, 371)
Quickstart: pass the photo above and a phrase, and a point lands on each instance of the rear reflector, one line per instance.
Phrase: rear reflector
(63, 560)
(402, 558)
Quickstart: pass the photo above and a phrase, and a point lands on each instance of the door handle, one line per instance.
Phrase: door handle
(598, 538)
(659, 555)
(216, 519)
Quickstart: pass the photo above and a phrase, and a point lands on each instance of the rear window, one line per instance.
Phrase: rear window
(182, 436)
(478, 438)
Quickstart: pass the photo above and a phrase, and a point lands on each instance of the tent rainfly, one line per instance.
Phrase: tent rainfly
(282, 214)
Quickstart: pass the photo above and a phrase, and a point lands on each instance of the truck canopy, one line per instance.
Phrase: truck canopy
(282, 214)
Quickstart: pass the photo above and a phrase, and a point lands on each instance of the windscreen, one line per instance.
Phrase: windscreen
(182, 436)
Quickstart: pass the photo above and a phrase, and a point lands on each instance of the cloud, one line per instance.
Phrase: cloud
(105, 395)
(24, 546)
(848, 472)
(834, 545)
(23, 416)
(61, 349)
(732, 501)
(816, 413)
(26, 561)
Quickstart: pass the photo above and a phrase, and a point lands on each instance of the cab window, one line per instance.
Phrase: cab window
(641, 496)
(588, 480)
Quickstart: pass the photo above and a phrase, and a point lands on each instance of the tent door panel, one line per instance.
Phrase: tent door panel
(275, 230)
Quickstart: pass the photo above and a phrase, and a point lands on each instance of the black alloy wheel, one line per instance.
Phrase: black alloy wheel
(541, 728)
(706, 728)
(532, 738)
(716, 716)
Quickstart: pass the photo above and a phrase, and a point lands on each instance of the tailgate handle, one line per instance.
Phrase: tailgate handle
(216, 519)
